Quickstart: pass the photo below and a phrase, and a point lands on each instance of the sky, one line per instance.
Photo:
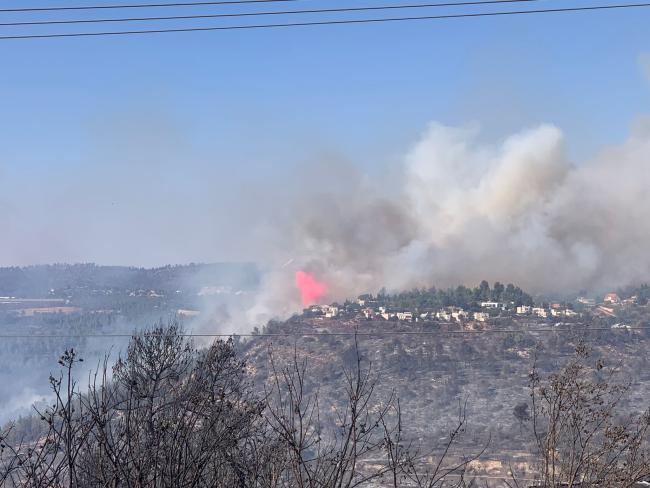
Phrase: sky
(173, 148)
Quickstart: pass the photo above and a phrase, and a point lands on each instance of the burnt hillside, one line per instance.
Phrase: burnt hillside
(435, 373)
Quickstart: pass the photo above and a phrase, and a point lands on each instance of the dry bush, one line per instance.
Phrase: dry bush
(585, 434)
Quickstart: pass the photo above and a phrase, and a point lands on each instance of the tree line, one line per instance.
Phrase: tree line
(462, 296)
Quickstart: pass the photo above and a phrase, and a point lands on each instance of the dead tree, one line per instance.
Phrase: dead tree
(173, 416)
(584, 434)
(50, 461)
(361, 444)
(441, 471)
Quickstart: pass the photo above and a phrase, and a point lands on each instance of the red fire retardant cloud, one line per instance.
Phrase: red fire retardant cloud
(311, 290)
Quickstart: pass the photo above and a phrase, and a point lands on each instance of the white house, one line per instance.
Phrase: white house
(621, 326)
(540, 312)
(368, 313)
(459, 315)
(443, 315)
(589, 302)
(405, 316)
(330, 312)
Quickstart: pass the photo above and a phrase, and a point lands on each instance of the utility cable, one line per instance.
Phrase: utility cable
(327, 22)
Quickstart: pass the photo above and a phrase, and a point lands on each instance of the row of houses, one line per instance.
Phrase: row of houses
(458, 314)
(553, 311)
(449, 314)
(382, 312)
(328, 311)
(611, 302)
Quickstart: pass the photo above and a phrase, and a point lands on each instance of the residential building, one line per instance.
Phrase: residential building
(621, 326)
(405, 316)
(326, 310)
(443, 315)
(588, 302)
(368, 313)
(459, 315)
(540, 312)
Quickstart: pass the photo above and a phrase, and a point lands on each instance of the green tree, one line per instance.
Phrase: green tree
(497, 292)
(484, 290)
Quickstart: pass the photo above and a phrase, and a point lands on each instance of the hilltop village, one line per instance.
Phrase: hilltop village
(486, 306)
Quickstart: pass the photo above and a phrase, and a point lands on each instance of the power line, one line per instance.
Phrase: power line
(253, 14)
(140, 5)
(327, 22)
(332, 334)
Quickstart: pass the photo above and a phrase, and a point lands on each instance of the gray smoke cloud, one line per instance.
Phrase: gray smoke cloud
(460, 211)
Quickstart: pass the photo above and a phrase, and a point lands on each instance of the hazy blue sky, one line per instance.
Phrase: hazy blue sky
(153, 149)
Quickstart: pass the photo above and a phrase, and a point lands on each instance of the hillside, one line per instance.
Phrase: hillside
(435, 370)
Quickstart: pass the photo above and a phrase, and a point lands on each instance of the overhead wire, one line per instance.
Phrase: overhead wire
(337, 334)
(255, 14)
(327, 22)
(140, 5)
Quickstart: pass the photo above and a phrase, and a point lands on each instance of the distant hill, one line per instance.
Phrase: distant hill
(54, 280)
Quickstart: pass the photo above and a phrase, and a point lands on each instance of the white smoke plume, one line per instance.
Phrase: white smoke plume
(519, 211)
